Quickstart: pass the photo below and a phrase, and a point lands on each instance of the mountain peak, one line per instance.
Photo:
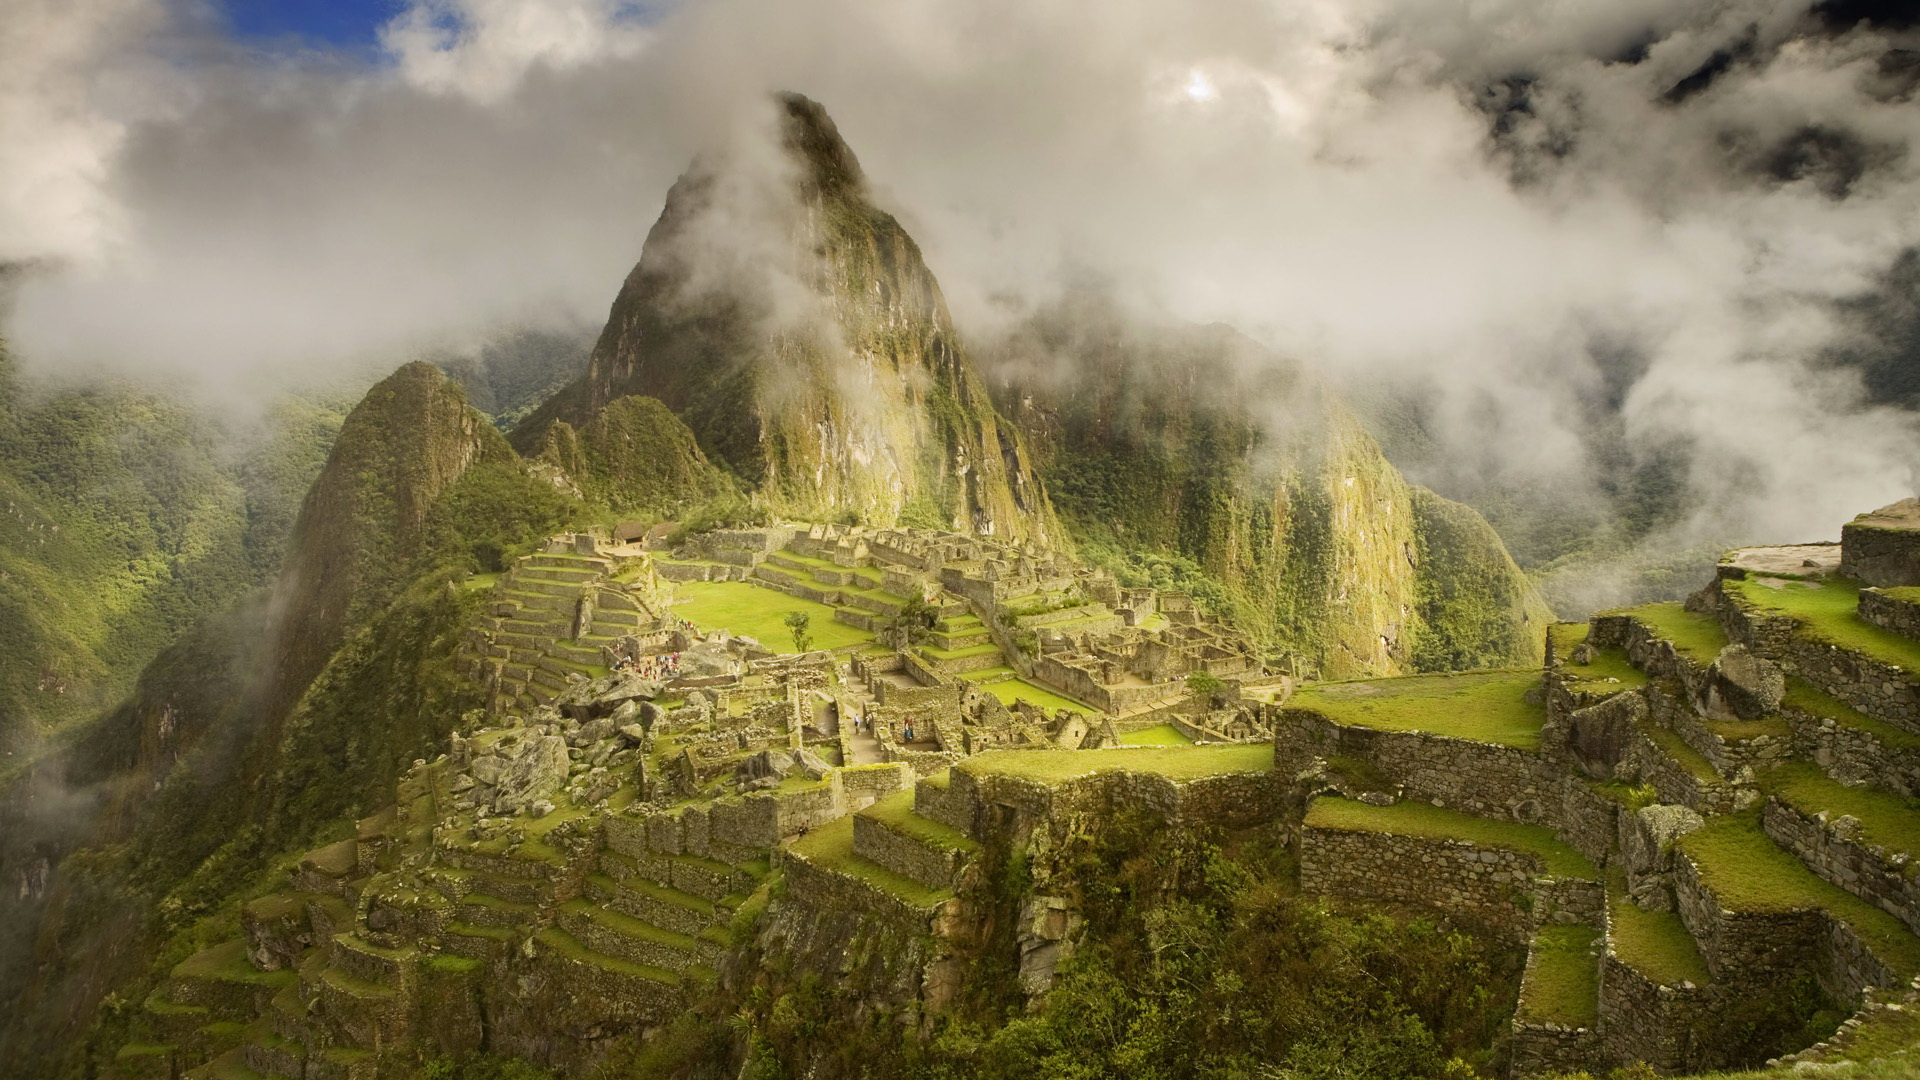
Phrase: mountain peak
(812, 138)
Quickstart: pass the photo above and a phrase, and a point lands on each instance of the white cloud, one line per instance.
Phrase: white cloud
(1335, 188)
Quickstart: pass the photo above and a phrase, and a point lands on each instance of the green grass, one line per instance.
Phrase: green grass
(1886, 820)
(1484, 706)
(627, 925)
(1747, 871)
(1437, 823)
(227, 962)
(1564, 987)
(1608, 671)
(831, 847)
(1811, 699)
(567, 945)
(960, 654)
(1012, 690)
(896, 811)
(1172, 762)
(1675, 747)
(1158, 735)
(756, 611)
(1737, 730)
(1695, 636)
(1654, 943)
(1827, 612)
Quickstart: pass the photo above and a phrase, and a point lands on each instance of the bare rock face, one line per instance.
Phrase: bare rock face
(516, 776)
(1743, 686)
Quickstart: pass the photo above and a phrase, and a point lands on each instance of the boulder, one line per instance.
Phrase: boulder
(766, 763)
(811, 764)
(1743, 686)
(1600, 735)
(529, 776)
(707, 659)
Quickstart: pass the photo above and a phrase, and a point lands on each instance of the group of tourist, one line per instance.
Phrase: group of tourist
(662, 666)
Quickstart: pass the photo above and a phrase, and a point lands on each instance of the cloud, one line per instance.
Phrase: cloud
(1511, 208)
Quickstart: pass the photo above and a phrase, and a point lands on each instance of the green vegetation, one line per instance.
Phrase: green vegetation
(1436, 823)
(1158, 735)
(1676, 748)
(1012, 690)
(1654, 943)
(897, 811)
(831, 846)
(1477, 610)
(1827, 611)
(1747, 871)
(759, 613)
(1886, 820)
(1198, 961)
(1172, 762)
(1810, 699)
(1490, 707)
(1563, 986)
(1695, 636)
(796, 624)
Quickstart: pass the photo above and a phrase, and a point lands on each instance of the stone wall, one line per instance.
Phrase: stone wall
(1833, 849)
(930, 865)
(1586, 820)
(1480, 778)
(1853, 755)
(826, 890)
(1642, 1020)
(1890, 613)
(1879, 689)
(1487, 887)
(1232, 800)
(1745, 948)
(1878, 555)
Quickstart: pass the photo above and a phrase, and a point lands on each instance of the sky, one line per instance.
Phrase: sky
(352, 25)
(1517, 211)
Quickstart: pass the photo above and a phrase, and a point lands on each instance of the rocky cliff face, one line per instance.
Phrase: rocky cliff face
(407, 441)
(1192, 442)
(794, 327)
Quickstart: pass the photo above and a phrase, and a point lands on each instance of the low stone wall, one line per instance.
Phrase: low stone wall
(1834, 851)
(1854, 755)
(934, 867)
(1889, 613)
(1880, 690)
(1745, 948)
(1878, 555)
(1642, 1020)
(1488, 887)
(1657, 657)
(829, 890)
(875, 781)
(1232, 800)
(1481, 778)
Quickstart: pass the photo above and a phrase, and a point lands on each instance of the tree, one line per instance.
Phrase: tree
(1203, 685)
(797, 621)
(915, 621)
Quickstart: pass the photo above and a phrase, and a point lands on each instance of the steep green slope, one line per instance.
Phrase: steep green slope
(795, 328)
(634, 455)
(1195, 446)
(406, 442)
(124, 517)
(225, 757)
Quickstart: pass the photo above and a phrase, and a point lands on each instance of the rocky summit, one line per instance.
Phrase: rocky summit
(795, 694)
